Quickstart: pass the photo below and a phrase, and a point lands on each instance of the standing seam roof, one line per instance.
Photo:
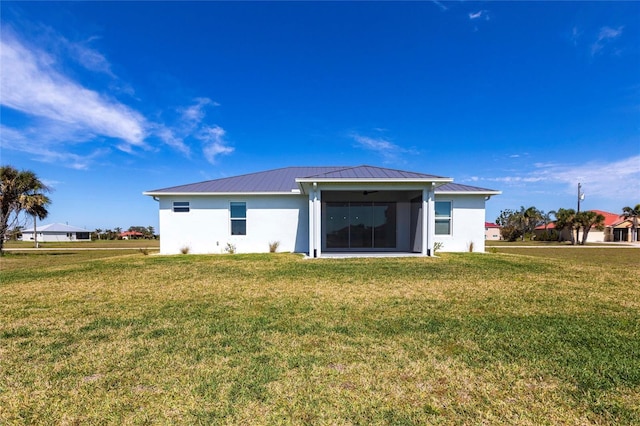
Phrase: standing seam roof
(284, 180)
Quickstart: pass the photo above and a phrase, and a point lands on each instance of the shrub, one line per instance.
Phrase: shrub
(144, 251)
(230, 248)
(437, 246)
(273, 246)
(471, 247)
(548, 235)
(185, 249)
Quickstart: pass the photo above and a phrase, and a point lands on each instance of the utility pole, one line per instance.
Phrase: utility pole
(35, 233)
(580, 198)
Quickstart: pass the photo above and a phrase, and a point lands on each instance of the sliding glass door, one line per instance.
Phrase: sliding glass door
(360, 225)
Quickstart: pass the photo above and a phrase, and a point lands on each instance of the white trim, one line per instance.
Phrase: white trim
(468, 192)
(192, 194)
(376, 180)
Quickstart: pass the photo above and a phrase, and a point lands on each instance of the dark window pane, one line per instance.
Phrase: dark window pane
(443, 208)
(337, 225)
(238, 210)
(181, 206)
(361, 215)
(384, 225)
(443, 226)
(238, 227)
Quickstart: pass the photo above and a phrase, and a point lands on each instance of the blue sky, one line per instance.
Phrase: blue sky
(105, 100)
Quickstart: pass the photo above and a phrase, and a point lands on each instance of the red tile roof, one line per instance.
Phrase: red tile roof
(491, 225)
(610, 219)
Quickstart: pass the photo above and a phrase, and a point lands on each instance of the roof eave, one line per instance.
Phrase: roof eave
(468, 192)
(375, 180)
(182, 194)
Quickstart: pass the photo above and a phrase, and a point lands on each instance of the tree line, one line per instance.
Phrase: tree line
(147, 233)
(520, 224)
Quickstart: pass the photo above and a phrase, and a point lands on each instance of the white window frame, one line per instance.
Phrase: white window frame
(442, 218)
(181, 207)
(237, 219)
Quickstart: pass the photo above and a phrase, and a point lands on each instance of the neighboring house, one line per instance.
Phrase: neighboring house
(612, 221)
(57, 232)
(131, 235)
(318, 210)
(491, 231)
(621, 231)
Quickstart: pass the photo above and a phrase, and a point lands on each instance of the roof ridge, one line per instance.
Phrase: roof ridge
(337, 169)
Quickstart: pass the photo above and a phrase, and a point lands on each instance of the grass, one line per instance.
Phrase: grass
(134, 244)
(502, 338)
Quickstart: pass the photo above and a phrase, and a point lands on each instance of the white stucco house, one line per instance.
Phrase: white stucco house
(57, 232)
(322, 211)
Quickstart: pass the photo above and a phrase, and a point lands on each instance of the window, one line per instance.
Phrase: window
(443, 217)
(181, 207)
(238, 218)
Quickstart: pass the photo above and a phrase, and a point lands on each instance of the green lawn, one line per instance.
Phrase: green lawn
(141, 243)
(549, 336)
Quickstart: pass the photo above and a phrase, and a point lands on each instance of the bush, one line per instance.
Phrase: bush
(437, 246)
(185, 249)
(230, 248)
(273, 246)
(548, 235)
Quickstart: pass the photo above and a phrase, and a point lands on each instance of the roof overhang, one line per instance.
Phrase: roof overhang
(468, 192)
(373, 180)
(200, 194)
(378, 183)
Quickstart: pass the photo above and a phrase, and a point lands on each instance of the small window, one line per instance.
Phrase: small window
(181, 207)
(443, 217)
(238, 218)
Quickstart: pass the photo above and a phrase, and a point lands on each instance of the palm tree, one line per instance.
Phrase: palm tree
(632, 213)
(588, 220)
(20, 191)
(546, 217)
(565, 219)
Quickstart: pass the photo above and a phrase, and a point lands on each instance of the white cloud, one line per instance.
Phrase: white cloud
(606, 35)
(615, 180)
(376, 144)
(24, 141)
(61, 113)
(382, 146)
(440, 5)
(30, 84)
(479, 14)
(89, 58)
(213, 143)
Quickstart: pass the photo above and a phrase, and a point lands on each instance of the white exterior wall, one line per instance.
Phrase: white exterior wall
(52, 237)
(467, 223)
(206, 228)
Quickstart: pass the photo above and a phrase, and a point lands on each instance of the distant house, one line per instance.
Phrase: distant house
(323, 211)
(621, 231)
(615, 229)
(57, 232)
(131, 235)
(491, 231)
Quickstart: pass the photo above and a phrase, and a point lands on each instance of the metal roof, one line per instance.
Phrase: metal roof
(56, 227)
(458, 187)
(284, 180)
(369, 172)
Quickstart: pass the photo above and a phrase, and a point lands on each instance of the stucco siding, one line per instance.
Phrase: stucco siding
(206, 228)
(467, 223)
